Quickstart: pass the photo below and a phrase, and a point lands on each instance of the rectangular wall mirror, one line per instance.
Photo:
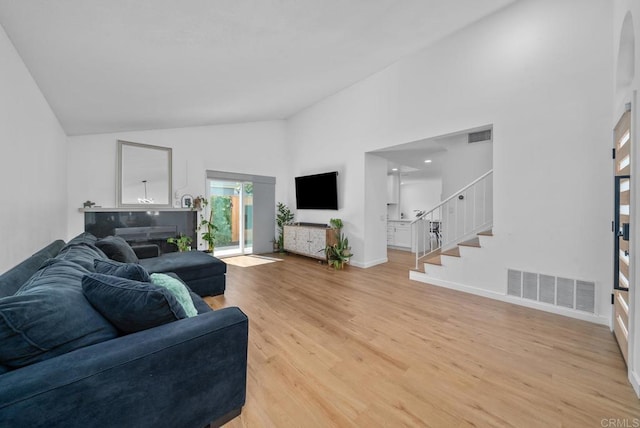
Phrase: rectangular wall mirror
(144, 175)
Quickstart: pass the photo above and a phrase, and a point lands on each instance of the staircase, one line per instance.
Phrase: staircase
(464, 263)
(436, 258)
(456, 221)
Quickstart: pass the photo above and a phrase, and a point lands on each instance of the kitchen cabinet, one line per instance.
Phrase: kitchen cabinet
(393, 189)
(399, 234)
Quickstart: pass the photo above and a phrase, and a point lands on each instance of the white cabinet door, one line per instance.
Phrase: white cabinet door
(290, 238)
(402, 237)
(302, 240)
(317, 242)
(391, 231)
(393, 189)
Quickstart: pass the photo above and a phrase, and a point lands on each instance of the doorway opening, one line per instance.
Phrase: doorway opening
(231, 203)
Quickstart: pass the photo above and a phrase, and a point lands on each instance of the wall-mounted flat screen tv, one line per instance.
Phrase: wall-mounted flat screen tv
(317, 192)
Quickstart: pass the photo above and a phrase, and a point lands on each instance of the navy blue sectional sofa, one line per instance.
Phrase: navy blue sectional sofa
(63, 363)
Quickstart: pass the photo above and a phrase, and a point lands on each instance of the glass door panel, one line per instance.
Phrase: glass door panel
(228, 200)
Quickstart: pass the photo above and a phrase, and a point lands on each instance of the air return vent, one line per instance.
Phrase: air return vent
(557, 291)
(477, 137)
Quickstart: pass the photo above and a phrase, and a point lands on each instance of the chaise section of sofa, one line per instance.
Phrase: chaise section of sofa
(203, 273)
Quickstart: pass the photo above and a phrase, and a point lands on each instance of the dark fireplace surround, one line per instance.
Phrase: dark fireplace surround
(142, 227)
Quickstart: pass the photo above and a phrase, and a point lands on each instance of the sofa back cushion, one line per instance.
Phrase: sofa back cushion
(82, 253)
(131, 305)
(15, 277)
(49, 316)
(124, 270)
(117, 249)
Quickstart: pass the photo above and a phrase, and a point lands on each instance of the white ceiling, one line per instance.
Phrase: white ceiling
(116, 65)
(408, 160)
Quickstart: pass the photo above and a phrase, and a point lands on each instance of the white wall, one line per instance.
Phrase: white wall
(463, 162)
(542, 77)
(419, 194)
(626, 86)
(375, 199)
(32, 165)
(251, 148)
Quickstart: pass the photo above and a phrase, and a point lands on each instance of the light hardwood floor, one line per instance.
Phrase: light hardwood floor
(369, 347)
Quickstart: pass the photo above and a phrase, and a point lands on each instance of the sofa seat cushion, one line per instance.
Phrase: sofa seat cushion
(49, 316)
(189, 265)
(117, 249)
(131, 305)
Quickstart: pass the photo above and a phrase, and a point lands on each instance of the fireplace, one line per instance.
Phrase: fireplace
(141, 226)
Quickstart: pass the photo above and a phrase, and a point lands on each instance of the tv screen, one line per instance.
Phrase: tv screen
(317, 192)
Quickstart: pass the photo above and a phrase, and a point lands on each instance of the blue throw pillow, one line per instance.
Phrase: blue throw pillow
(117, 249)
(131, 305)
(124, 270)
(179, 291)
(49, 316)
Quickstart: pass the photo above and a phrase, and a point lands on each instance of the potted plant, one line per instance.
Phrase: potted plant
(206, 222)
(336, 223)
(339, 253)
(183, 242)
(285, 216)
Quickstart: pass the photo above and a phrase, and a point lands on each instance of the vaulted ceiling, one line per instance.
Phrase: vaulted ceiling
(108, 66)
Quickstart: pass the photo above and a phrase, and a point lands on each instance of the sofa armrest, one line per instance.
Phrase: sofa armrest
(146, 251)
(185, 373)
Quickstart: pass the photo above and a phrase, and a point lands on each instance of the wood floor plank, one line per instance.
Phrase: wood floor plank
(369, 347)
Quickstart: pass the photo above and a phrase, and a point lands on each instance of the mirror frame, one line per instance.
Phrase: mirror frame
(168, 150)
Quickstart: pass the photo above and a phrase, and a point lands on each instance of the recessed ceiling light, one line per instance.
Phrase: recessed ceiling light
(394, 169)
(427, 161)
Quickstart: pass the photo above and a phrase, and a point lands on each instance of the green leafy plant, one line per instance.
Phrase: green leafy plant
(339, 253)
(206, 224)
(284, 216)
(221, 206)
(183, 242)
(336, 223)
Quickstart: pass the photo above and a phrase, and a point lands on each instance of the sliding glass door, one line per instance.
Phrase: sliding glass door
(232, 205)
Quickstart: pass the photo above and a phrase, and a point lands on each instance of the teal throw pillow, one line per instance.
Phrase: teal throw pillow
(179, 291)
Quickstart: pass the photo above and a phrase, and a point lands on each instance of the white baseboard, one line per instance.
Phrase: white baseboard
(572, 313)
(369, 263)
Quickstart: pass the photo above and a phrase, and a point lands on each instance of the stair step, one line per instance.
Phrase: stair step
(436, 260)
(453, 252)
(488, 232)
(475, 242)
